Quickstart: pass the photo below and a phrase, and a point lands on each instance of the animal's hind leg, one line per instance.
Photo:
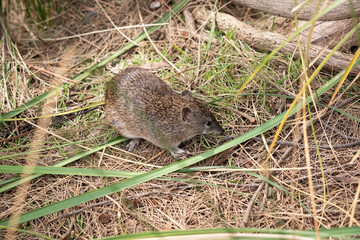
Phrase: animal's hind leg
(133, 144)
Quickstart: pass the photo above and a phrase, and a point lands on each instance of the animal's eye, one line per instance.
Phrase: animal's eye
(208, 123)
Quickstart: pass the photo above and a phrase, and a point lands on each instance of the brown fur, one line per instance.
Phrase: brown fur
(140, 105)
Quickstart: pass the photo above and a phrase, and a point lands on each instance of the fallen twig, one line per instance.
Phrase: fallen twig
(265, 40)
(190, 24)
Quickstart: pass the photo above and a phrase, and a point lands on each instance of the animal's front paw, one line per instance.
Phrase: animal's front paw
(180, 154)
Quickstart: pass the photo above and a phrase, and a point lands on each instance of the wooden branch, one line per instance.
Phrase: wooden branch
(284, 8)
(329, 33)
(265, 40)
(190, 24)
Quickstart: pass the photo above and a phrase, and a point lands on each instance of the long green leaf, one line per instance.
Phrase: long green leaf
(87, 72)
(113, 141)
(333, 232)
(58, 206)
(113, 173)
(40, 150)
(66, 171)
(110, 173)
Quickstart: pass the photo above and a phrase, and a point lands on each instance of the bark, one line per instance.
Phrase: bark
(265, 40)
(283, 8)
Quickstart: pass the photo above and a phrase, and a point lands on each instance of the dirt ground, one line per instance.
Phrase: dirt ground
(214, 198)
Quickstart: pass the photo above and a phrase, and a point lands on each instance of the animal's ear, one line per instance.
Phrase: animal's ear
(186, 93)
(186, 114)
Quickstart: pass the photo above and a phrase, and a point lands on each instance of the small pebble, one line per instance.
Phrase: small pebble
(155, 5)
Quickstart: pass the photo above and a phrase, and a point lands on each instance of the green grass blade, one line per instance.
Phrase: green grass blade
(87, 72)
(9, 180)
(58, 206)
(333, 232)
(41, 236)
(40, 150)
(341, 111)
(108, 173)
(212, 29)
(101, 173)
(29, 104)
(66, 171)
(98, 172)
(113, 141)
(124, 174)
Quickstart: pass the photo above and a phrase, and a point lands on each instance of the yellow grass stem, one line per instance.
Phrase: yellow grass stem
(56, 114)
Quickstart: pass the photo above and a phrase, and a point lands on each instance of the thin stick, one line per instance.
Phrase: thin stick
(251, 204)
(327, 147)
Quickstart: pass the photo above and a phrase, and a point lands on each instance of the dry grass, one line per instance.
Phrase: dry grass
(165, 204)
